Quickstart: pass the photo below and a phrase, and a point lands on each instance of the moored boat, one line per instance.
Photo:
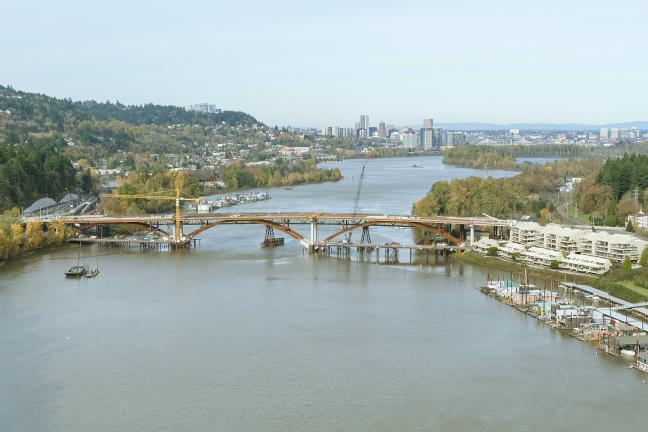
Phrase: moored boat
(92, 273)
(627, 353)
(76, 271)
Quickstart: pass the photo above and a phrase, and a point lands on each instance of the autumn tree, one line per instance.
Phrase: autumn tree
(34, 235)
(56, 232)
(4, 244)
(545, 216)
(15, 239)
(627, 205)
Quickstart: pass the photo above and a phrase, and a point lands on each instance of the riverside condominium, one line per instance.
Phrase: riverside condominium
(615, 247)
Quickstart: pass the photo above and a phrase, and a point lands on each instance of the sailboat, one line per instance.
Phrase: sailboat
(95, 272)
(78, 270)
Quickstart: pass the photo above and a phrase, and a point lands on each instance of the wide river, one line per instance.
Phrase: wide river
(231, 337)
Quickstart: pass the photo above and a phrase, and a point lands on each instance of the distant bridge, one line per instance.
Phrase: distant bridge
(464, 227)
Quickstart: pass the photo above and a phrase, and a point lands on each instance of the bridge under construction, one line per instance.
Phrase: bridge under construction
(181, 229)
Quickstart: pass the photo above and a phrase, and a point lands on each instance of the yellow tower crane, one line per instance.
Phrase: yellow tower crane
(177, 198)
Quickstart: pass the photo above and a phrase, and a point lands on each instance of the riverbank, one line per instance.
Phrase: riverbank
(506, 266)
(41, 252)
(615, 282)
(505, 156)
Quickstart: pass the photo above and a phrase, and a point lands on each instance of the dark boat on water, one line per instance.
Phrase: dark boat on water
(80, 270)
(76, 271)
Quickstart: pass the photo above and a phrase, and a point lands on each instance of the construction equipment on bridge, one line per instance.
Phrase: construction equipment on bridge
(356, 204)
(179, 183)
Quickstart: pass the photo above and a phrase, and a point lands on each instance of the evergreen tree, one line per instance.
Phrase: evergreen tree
(630, 227)
(611, 219)
(627, 265)
(644, 258)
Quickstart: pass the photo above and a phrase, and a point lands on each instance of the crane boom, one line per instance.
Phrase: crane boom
(356, 204)
(150, 197)
(177, 198)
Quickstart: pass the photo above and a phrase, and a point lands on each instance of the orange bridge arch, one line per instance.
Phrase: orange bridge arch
(432, 229)
(283, 228)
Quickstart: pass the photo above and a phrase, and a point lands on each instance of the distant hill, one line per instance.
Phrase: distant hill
(476, 126)
(50, 112)
(95, 130)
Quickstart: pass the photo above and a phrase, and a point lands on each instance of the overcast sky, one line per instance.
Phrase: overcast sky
(307, 63)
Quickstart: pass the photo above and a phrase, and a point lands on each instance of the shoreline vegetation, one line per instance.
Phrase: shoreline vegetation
(527, 193)
(17, 241)
(595, 191)
(234, 177)
(505, 156)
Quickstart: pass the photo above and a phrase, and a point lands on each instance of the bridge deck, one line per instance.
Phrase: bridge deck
(283, 217)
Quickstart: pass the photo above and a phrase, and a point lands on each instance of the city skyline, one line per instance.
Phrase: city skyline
(294, 64)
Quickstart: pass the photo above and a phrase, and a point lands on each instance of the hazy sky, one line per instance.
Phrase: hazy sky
(307, 63)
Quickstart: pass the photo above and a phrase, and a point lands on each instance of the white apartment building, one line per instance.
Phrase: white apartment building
(585, 264)
(541, 256)
(526, 233)
(615, 247)
(510, 248)
(559, 238)
(483, 244)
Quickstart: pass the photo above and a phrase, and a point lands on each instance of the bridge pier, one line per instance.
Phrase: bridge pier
(313, 236)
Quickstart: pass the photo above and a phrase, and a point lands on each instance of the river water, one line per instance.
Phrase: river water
(230, 337)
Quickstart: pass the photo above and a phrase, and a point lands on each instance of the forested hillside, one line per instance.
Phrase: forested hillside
(41, 137)
(618, 189)
(34, 170)
(624, 174)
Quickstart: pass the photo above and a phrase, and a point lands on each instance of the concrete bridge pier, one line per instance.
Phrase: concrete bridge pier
(313, 236)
